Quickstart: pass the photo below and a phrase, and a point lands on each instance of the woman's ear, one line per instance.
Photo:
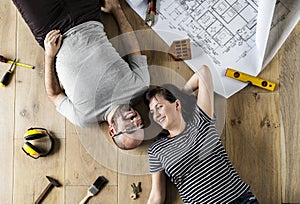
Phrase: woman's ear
(111, 130)
(178, 104)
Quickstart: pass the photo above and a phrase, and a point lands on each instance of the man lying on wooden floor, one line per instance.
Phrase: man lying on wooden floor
(98, 84)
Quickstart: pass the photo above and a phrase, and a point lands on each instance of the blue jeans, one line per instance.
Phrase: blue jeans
(246, 198)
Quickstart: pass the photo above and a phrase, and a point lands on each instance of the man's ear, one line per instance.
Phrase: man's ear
(111, 130)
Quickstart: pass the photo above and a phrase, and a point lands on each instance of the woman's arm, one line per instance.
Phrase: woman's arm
(52, 44)
(202, 81)
(158, 190)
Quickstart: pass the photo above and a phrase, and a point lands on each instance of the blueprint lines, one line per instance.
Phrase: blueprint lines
(226, 33)
(218, 27)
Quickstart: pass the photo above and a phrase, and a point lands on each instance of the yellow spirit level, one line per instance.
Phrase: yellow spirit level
(268, 85)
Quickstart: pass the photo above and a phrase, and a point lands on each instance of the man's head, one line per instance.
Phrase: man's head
(125, 127)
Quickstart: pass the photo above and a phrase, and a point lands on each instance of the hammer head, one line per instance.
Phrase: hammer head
(53, 181)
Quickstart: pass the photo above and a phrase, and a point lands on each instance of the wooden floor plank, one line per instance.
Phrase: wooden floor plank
(125, 189)
(7, 105)
(30, 174)
(33, 107)
(253, 142)
(74, 194)
(289, 61)
(82, 170)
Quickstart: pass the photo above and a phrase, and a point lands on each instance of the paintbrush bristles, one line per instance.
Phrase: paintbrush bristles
(98, 184)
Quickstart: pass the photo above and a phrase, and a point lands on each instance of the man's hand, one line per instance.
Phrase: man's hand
(110, 6)
(52, 43)
(130, 43)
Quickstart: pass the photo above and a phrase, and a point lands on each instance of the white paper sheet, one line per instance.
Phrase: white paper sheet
(243, 35)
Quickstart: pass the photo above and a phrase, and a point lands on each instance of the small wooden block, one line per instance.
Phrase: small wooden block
(181, 49)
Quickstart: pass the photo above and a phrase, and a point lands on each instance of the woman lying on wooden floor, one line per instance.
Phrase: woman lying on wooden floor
(190, 152)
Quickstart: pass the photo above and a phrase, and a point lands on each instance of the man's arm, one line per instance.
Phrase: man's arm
(158, 190)
(52, 44)
(129, 39)
(202, 81)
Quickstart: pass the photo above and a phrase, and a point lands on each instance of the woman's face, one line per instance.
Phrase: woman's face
(164, 113)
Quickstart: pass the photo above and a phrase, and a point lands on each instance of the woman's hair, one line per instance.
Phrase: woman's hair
(171, 93)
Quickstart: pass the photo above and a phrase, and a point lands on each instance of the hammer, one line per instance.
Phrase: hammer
(52, 183)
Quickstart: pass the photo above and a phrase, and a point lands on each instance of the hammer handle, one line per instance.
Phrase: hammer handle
(44, 192)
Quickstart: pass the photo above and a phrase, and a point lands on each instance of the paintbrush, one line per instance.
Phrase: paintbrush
(95, 188)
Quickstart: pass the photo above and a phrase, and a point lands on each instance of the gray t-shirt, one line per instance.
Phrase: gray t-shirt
(94, 76)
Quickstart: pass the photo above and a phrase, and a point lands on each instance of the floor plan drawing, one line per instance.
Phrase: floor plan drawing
(243, 35)
(215, 26)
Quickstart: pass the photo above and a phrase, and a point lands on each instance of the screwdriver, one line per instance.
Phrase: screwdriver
(6, 77)
(5, 60)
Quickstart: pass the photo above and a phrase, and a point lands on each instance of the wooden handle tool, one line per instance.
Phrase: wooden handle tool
(52, 183)
(94, 189)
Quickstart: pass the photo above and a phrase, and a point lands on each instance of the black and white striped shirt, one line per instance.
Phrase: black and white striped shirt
(196, 162)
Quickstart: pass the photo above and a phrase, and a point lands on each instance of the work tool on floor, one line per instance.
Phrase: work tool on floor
(262, 83)
(181, 49)
(151, 12)
(7, 76)
(5, 60)
(52, 183)
(135, 190)
(35, 150)
(95, 188)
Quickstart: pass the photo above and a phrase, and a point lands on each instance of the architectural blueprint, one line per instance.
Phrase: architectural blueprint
(217, 27)
(225, 33)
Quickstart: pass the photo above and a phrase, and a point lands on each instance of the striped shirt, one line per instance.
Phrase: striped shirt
(196, 162)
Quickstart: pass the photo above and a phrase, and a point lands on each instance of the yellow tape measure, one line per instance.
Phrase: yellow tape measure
(262, 83)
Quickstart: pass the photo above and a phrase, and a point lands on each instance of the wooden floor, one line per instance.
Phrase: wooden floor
(261, 133)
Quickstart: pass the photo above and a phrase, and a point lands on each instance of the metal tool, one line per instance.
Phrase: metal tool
(262, 83)
(151, 12)
(7, 76)
(95, 188)
(5, 60)
(135, 190)
(52, 183)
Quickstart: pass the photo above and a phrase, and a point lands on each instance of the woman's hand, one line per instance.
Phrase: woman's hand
(52, 43)
(158, 190)
(202, 80)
